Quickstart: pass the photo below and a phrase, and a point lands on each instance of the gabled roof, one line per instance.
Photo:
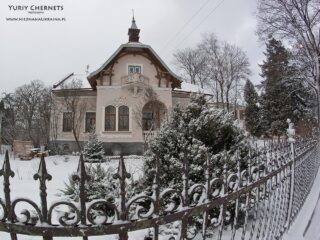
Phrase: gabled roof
(81, 80)
(132, 46)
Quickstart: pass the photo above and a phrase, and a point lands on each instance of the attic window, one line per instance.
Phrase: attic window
(134, 69)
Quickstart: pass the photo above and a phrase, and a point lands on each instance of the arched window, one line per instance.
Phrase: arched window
(123, 118)
(110, 119)
(153, 113)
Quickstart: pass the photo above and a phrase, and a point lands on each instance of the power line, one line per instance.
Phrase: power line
(183, 27)
(205, 18)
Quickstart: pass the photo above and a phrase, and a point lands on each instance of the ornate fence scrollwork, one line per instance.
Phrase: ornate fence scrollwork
(259, 202)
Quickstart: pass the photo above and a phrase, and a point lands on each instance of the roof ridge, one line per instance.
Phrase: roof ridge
(61, 81)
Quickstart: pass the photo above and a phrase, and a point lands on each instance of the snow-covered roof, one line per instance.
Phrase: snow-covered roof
(78, 81)
(192, 88)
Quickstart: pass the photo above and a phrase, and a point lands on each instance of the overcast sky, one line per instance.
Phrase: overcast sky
(94, 29)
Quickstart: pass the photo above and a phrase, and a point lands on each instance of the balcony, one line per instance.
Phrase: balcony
(134, 78)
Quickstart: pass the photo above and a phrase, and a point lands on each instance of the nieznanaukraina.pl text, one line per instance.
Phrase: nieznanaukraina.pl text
(36, 19)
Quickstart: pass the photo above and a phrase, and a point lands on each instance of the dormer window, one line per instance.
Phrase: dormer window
(134, 69)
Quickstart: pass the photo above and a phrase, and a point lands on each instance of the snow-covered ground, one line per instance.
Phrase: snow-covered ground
(306, 225)
(60, 167)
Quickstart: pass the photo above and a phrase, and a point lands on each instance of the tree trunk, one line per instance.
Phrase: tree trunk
(318, 88)
(217, 93)
(227, 101)
(318, 102)
(77, 139)
(221, 95)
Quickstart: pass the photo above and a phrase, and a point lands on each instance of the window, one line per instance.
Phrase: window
(153, 113)
(147, 121)
(90, 121)
(123, 118)
(134, 69)
(110, 118)
(67, 122)
(241, 114)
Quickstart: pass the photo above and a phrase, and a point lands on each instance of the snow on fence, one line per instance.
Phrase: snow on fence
(259, 202)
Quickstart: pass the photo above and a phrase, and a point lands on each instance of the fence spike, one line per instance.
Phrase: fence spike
(208, 195)
(122, 175)
(6, 168)
(185, 187)
(6, 172)
(156, 194)
(81, 171)
(82, 177)
(42, 175)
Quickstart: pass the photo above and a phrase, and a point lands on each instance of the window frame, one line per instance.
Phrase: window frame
(64, 120)
(86, 129)
(122, 118)
(147, 121)
(134, 65)
(113, 115)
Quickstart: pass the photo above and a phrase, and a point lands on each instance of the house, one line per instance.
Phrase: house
(125, 100)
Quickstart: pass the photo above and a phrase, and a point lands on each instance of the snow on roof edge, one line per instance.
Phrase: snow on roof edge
(81, 77)
(192, 88)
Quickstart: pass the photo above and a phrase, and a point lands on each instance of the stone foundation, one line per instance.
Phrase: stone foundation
(126, 148)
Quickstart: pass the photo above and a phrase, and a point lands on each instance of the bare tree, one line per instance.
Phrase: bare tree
(32, 111)
(76, 106)
(27, 114)
(297, 22)
(44, 114)
(192, 64)
(54, 124)
(210, 45)
(228, 66)
(9, 121)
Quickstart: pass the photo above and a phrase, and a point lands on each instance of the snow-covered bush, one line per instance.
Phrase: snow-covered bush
(101, 185)
(93, 150)
(192, 133)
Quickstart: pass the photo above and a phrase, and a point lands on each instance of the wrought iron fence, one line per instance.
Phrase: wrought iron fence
(259, 202)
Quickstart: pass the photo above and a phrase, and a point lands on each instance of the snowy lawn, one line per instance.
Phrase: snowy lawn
(60, 167)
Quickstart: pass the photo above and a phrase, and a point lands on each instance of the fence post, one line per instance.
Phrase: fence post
(291, 133)
(6, 172)
(122, 175)
(42, 175)
(82, 177)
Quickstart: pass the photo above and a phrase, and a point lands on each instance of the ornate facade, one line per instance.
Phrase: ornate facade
(125, 100)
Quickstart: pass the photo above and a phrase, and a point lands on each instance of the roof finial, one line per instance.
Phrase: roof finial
(87, 69)
(133, 25)
(133, 30)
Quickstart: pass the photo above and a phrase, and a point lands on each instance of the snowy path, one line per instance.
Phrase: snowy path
(312, 231)
(306, 225)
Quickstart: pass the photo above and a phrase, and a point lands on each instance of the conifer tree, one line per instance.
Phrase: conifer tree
(93, 150)
(191, 134)
(252, 111)
(276, 101)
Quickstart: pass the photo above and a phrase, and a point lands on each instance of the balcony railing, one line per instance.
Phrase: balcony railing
(149, 134)
(134, 78)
